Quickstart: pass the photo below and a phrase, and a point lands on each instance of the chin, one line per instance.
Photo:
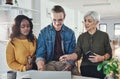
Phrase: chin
(87, 29)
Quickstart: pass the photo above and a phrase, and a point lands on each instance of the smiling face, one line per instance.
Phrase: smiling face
(57, 20)
(90, 23)
(24, 28)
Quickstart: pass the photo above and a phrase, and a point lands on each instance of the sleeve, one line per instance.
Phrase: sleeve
(72, 44)
(40, 51)
(107, 46)
(78, 47)
(72, 48)
(11, 60)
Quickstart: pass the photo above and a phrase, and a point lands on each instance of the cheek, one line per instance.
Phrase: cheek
(21, 30)
(28, 29)
(92, 25)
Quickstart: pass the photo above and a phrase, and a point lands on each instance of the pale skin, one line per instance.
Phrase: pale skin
(57, 21)
(90, 25)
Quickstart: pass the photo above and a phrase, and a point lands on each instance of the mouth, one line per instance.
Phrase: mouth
(87, 26)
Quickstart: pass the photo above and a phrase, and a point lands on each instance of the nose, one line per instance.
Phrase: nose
(57, 23)
(86, 23)
(26, 27)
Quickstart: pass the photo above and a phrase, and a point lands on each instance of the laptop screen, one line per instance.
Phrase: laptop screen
(45, 75)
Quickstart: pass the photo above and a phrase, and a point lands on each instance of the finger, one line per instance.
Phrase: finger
(95, 54)
(62, 58)
(91, 56)
(40, 69)
(90, 59)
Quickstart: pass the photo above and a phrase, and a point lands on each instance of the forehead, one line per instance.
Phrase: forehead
(24, 21)
(57, 15)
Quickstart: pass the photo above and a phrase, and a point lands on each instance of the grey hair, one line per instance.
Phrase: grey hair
(93, 14)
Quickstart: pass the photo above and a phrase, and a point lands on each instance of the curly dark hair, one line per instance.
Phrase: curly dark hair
(16, 28)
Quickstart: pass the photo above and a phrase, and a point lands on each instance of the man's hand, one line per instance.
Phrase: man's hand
(40, 65)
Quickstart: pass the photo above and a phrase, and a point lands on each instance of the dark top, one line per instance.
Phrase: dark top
(58, 47)
(97, 43)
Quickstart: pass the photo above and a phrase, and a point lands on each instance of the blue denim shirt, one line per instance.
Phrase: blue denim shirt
(46, 41)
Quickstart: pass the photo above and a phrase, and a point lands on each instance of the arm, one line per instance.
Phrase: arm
(108, 49)
(68, 57)
(11, 60)
(72, 45)
(108, 52)
(73, 56)
(40, 52)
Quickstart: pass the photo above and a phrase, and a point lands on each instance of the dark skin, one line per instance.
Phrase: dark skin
(30, 61)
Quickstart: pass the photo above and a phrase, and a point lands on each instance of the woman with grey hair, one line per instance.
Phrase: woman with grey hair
(93, 46)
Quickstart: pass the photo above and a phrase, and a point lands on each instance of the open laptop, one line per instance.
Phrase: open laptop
(45, 75)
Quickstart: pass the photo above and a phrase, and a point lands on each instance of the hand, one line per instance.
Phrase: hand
(96, 58)
(28, 66)
(68, 67)
(40, 65)
(29, 59)
(64, 58)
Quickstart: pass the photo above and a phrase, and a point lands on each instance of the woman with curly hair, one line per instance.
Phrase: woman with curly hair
(21, 48)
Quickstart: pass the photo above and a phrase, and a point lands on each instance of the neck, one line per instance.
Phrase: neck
(92, 31)
(22, 37)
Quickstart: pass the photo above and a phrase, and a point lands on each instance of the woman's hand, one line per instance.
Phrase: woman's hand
(64, 58)
(68, 57)
(96, 58)
(28, 66)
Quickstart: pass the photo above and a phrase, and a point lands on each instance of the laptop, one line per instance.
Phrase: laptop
(44, 75)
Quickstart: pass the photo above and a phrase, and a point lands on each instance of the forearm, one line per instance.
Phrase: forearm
(106, 56)
(73, 56)
(16, 66)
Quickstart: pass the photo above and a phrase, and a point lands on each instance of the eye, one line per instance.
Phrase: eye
(22, 26)
(89, 21)
(60, 19)
(54, 19)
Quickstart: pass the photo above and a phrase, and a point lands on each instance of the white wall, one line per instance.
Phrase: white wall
(110, 26)
(7, 18)
(3, 64)
(72, 19)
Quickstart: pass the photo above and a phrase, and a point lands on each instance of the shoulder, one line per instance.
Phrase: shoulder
(67, 29)
(102, 33)
(48, 27)
(13, 42)
(83, 34)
